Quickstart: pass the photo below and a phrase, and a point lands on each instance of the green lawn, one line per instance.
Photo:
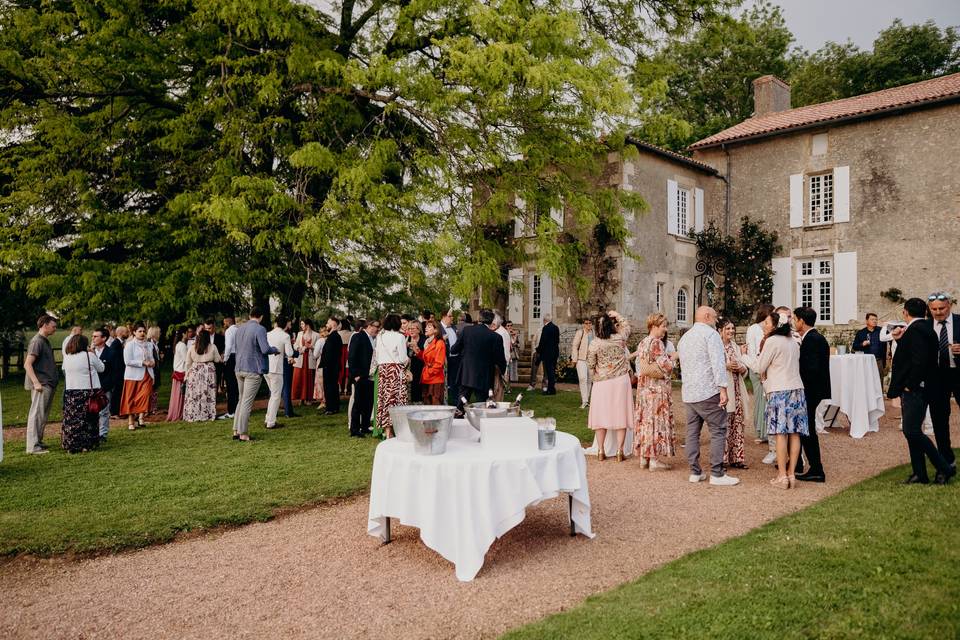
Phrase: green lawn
(146, 486)
(878, 560)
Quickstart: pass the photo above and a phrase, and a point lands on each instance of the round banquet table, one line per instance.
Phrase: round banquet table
(468, 497)
(856, 391)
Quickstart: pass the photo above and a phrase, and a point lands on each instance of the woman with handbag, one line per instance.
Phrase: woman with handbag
(81, 370)
(737, 411)
(175, 408)
(654, 433)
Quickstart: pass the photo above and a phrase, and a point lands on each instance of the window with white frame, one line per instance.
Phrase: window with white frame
(683, 200)
(535, 305)
(660, 297)
(821, 198)
(815, 286)
(681, 305)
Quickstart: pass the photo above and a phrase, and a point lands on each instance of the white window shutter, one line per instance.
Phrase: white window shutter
(782, 282)
(841, 194)
(518, 223)
(796, 200)
(672, 222)
(845, 286)
(556, 214)
(515, 300)
(546, 295)
(698, 208)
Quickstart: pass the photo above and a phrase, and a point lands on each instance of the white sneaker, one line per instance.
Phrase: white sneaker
(530, 388)
(656, 465)
(695, 478)
(770, 458)
(724, 481)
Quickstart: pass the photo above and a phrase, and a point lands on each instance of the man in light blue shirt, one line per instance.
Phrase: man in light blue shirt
(703, 370)
(251, 348)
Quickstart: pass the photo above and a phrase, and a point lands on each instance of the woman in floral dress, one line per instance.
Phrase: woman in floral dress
(737, 412)
(653, 432)
(200, 398)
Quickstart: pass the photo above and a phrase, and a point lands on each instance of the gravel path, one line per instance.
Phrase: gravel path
(316, 574)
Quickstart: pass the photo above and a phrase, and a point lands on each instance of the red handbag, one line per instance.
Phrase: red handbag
(98, 399)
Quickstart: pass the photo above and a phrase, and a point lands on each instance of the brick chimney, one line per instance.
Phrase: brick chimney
(770, 94)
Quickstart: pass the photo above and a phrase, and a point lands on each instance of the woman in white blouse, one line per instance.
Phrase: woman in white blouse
(786, 412)
(140, 360)
(390, 361)
(751, 356)
(182, 338)
(79, 431)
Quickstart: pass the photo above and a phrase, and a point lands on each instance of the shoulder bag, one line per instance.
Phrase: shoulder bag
(98, 399)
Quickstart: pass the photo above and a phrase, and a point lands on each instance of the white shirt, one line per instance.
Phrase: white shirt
(391, 346)
(505, 335)
(79, 369)
(451, 335)
(280, 340)
(703, 363)
(753, 339)
(180, 357)
(229, 342)
(936, 329)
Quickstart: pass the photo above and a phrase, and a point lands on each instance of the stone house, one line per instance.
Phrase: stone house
(863, 191)
(682, 194)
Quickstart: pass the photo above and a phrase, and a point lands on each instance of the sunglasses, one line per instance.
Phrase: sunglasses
(937, 296)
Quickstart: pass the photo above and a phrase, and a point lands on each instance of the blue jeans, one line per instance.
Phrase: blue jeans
(104, 418)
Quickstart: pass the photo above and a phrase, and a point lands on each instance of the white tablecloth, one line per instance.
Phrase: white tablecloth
(466, 498)
(856, 391)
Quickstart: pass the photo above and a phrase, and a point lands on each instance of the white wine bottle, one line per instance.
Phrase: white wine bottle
(491, 403)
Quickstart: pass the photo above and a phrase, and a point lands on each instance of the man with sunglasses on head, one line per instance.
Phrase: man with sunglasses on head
(946, 383)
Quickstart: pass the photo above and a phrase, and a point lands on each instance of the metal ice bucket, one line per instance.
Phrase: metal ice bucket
(477, 411)
(399, 414)
(431, 430)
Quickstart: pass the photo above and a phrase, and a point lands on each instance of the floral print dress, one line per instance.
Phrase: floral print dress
(654, 433)
(733, 451)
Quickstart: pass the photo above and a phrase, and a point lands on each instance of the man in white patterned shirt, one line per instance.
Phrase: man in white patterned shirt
(703, 370)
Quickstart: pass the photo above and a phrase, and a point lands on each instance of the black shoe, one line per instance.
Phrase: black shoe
(330, 413)
(292, 415)
(916, 480)
(811, 477)
(236, 436)
(40, 445)
(952, 470)
(942, 478)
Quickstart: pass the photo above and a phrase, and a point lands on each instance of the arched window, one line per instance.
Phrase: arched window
(681, 305)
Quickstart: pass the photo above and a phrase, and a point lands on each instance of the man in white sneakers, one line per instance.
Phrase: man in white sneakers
(703, 370)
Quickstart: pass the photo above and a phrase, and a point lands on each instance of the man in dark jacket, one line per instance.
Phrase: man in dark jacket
(359, 355)
(548, 348)
(330, 357)
(482, 351)
(815, 373)
(868, 341)
(914, 370)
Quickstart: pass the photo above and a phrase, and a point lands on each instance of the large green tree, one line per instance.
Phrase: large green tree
(167, 158)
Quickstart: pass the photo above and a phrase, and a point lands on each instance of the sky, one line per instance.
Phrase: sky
(814, 22)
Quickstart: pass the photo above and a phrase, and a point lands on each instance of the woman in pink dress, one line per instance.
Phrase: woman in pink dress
(654, 436)
(611, 397)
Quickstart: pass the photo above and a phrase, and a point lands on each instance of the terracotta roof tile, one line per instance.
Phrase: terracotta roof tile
(917, 93)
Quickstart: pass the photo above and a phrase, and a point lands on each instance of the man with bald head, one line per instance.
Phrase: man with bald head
(703, 370)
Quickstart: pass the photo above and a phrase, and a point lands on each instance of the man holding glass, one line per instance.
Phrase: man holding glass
(946, 385)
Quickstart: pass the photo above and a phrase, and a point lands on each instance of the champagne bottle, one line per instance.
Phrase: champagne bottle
(463, 401)
(491, 403)
(516, 402)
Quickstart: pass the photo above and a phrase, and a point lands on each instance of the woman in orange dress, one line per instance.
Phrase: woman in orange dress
(434, 357)
(138, 356)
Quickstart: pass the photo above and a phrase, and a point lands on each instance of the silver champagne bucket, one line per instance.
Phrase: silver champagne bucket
(399, 414)
(430, 430)
(477, 411)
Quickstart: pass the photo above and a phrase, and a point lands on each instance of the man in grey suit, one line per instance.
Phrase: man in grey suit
(251, 348)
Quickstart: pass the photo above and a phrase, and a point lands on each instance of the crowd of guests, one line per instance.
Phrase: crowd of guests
(402, 359)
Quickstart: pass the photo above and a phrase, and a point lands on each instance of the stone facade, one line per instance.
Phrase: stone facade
(663, 257)
(902, 197)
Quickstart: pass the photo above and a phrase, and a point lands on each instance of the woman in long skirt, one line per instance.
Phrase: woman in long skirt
(79, 430)
(305, 365)
(390, 355)
(654, 436)
(200, 400)
(755, 334)
(611, 396)
(138, 356)
(175, 407)
(733, 453)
